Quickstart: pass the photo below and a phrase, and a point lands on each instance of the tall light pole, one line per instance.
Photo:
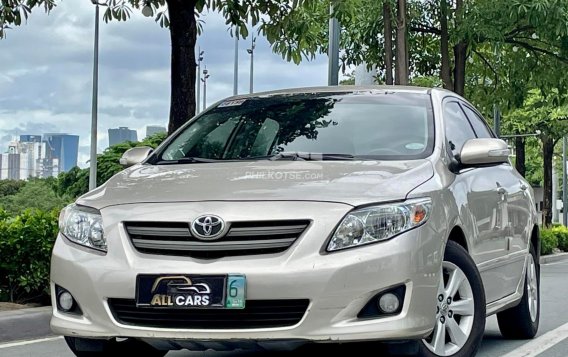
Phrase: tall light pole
(333, 50)
(236, 68)
(564, 183)
(198, 100)
(95, 104)
(204, 80)
(251, 53)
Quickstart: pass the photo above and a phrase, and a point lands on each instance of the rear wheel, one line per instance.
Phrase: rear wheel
(84, 347)
(460, 311)
(521, 321)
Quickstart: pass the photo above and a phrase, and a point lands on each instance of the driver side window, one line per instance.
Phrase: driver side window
(458, 128)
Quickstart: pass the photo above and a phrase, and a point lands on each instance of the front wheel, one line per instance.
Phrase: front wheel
(84, 347)
(460, 311)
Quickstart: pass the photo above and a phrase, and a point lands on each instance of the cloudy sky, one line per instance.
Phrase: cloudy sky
(46, 73)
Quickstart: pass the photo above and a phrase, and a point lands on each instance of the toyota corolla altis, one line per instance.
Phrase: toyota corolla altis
(335, 214)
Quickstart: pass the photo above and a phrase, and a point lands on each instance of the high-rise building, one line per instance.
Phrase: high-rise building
(10, 166)
(121, 135)
(30, 138)
(154, 129)
(64, 148)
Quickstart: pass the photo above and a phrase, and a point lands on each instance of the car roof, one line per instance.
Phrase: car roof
(335, 89)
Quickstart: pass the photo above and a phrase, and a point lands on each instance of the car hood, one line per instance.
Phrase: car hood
(350, 182)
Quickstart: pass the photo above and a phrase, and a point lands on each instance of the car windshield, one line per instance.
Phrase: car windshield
(333, 126)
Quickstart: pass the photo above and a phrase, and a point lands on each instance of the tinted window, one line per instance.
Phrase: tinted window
(366, 125)
(478, 123)
(458, 128)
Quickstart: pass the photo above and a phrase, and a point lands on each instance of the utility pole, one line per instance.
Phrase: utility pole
(333, 49)
(251, 53)
(95, 104)
(198, 100)
(236, 69)
(564, 183)
(204, 80)
(496, 120)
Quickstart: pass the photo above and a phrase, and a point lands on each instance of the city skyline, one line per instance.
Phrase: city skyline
(50, 59)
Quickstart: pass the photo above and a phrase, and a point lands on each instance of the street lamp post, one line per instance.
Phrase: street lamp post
(236, 65)
(95, 104)
(198, 100)
(251, 53)
(333, 50)
(204, 80)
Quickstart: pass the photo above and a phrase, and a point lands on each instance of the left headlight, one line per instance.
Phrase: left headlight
(84, 226)
(377, 223)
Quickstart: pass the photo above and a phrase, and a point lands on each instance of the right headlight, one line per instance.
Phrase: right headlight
(378, 223)
(84, 226)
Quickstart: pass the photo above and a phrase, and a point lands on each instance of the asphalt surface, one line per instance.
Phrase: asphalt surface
(554, 325)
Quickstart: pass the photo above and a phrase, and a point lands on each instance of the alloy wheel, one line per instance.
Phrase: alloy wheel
(454, 312)
(532, 289)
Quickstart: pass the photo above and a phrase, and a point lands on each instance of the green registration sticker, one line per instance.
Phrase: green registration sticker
(236, 292)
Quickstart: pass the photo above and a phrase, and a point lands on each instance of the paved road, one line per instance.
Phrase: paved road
(554, 327)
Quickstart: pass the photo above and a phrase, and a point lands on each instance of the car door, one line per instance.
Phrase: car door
(481, 193)
(516, 222)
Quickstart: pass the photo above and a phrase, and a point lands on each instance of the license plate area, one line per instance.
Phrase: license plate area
(188, 291)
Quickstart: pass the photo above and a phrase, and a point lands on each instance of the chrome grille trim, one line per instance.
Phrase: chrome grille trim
(214, 246)
(242, 238)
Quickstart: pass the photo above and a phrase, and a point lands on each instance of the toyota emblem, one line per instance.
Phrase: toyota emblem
(208, 227)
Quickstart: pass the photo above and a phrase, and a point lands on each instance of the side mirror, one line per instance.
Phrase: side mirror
(135, 156)
(484, 152)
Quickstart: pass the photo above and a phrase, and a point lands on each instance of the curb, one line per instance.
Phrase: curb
(25, 324)
(547, 259)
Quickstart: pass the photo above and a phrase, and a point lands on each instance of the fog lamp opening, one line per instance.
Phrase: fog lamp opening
(389, 303)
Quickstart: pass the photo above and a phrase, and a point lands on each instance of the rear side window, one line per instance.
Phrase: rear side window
(478, 123)
(458, 128)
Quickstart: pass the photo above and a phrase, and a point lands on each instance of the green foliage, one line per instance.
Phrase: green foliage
(426, 81)
(548, 241)
(37, 194)
(26, 242)
(561, 233)
(10, 187)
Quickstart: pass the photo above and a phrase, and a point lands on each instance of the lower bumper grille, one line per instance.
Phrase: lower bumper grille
(256, 314)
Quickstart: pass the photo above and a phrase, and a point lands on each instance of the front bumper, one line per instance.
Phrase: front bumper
(338, 285)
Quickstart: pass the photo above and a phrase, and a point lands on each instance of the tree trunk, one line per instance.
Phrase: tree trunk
(547, 151)
(388, 42)
(460, 54)
(183, 33)
(401, 53)
(520, 155)
(446, 71)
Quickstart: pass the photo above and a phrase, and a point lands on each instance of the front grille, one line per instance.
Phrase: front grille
(256, 314)
(243, 238)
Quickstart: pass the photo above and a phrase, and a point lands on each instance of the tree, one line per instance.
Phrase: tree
(10, 187)
(547, 112)
(180, 17)
(401, 44)
(37, 194)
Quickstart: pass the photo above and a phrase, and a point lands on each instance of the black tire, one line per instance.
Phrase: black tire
(84, 347)
(456, 255)
(516, 322)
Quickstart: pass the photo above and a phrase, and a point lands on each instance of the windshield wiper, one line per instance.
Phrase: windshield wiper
(187, 160)
(302, 156)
